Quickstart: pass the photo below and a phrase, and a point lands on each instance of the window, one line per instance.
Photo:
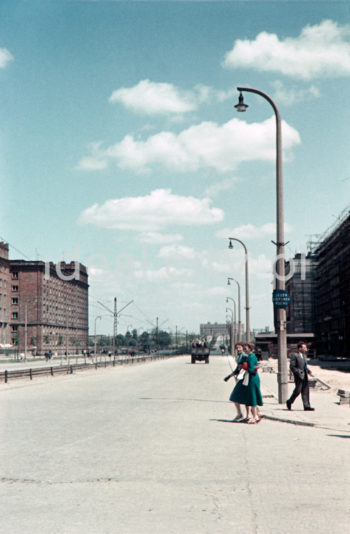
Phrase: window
(14, 288)
(14, 300)
(14, 315)
(14, 276)
(14, 328)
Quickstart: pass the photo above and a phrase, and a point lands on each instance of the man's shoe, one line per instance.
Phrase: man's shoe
(289, 405)
(309, 409)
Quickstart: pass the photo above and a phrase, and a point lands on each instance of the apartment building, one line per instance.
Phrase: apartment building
(5, 285)
(48, 306)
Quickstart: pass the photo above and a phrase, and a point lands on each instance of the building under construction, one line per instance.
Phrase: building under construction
(332, 284)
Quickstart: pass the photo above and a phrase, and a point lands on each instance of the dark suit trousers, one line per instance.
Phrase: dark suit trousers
(301, 386)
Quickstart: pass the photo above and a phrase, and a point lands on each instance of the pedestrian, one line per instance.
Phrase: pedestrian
(300, 371)
(258, 353)
(238, 395)
(253, 395)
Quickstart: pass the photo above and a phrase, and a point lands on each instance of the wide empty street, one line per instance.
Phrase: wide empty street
(151, 449)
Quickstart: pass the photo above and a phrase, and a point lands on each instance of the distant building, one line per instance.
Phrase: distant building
(214, 329)
(49, 306)
(301, 289)
(5, 287)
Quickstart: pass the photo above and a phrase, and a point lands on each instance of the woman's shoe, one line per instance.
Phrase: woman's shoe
(237, 418)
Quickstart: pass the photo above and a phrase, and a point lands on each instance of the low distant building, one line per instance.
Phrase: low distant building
(49, 306)
(214, 329)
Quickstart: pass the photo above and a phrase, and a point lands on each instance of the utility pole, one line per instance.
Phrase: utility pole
(25, 332)
(115, 323)
(115, 314)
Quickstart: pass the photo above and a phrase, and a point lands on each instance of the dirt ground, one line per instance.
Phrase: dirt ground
(335, 379)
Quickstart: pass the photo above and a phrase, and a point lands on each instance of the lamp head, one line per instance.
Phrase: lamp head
(230, 244)
(228, 282)
(241, 106)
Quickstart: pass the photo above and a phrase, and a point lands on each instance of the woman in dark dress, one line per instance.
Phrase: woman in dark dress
(238, 395)
(253, 393)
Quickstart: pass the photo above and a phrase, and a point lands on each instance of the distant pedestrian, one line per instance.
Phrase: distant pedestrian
(239, 393)
(300, 371)
(258, 353)
(253, 395)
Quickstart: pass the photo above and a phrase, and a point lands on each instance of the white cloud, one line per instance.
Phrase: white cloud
(260, 267)
(153, 98)
(177, 251)
(5, 57)
(224, 185)
(150, 213)
(157, 238)
(164, 273)
(292, 95)
(250, 231)
(205, 145)
(319, 51)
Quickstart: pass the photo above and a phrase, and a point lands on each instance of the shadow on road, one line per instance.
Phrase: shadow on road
(337, 436)
(182, 400)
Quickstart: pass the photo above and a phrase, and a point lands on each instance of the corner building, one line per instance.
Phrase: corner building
(5, 288)
(49, 306)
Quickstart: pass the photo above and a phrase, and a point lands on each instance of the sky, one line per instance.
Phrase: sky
(121, 148)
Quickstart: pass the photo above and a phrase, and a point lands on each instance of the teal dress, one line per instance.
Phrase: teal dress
(239, 393)
(253, 394)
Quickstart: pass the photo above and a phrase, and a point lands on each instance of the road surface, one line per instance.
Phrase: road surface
(150, 449)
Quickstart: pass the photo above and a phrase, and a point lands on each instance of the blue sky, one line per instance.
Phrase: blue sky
(120, 145)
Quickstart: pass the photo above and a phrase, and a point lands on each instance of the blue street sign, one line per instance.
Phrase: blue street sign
(280, 298)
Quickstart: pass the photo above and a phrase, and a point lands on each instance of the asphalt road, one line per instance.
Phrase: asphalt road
(150, 449)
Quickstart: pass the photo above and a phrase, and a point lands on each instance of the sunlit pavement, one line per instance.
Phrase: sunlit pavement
(151, 449)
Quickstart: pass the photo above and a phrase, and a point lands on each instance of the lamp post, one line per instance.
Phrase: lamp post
(233, 326)
(229, 278)
(232, 332)
(247, 309)
(282, 376)
(98, 317)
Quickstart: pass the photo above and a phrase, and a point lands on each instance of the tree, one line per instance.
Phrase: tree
(164, 339)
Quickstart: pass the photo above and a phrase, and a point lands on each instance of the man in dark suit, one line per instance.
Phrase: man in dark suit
(300, 371)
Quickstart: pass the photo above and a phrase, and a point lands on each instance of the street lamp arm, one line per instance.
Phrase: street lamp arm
(243, 245)
(264, 95)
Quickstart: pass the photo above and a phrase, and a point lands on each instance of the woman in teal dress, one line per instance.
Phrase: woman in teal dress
(238, 395)
(253, 394)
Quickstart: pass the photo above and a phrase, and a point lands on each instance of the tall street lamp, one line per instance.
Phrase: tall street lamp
(282, 376)
(233, 325)
(247, 309)
(98, 317)
(229, 278)
(232, 335)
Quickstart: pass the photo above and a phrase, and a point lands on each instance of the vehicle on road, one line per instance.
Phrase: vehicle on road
(200, 351)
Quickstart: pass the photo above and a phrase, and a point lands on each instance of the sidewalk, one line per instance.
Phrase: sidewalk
(328, 414)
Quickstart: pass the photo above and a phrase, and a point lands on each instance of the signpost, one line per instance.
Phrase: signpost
(280, 298)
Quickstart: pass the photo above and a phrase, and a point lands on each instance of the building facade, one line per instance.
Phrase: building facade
(301, 287)
(48, 306)
(5, 285)
(333, 289)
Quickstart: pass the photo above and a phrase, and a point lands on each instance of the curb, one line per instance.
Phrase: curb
(289, 421)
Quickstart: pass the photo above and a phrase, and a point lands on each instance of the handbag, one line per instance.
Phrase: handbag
(246, 378)
(241, 374)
